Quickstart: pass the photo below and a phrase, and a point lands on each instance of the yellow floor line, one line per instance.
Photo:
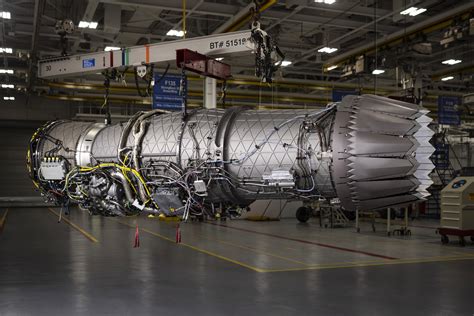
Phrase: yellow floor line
(468, 253)
(339, 265)
(252, 249)
(3, 220)
(79, 229)
(195, 248)
(329, 265)
(257, 251)
(271, 254)
(384, 263)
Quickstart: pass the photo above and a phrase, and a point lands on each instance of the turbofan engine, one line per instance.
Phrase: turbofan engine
(367, 152)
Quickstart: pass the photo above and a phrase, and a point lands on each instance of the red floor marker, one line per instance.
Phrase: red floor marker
(137, 239)
(178, 234)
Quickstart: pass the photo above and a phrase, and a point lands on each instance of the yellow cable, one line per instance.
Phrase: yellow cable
(124, 170)
(130, 182)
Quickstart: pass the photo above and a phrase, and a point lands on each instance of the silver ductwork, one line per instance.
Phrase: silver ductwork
(370, 152)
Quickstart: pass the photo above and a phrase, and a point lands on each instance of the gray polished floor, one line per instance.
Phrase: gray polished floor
(241, 268)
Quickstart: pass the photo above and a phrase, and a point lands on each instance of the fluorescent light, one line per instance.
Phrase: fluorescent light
(327, 50)
(6, 50)
(5, 15)
(6, 71)
(175, 33)
(90, 25)
(447, 78)
(413, 11)
(331, 67)
(378, 71)
(83, 24)
(286, 63)
(325, 1)
(109, 48)
(9, 98)
(8, 86)
(451, 62)
(219, 58)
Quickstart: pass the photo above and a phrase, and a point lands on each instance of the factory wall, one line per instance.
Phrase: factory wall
(14, 137)
(18, 121)
(36, 108)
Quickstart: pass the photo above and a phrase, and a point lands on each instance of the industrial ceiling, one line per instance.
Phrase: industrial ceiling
(410, 49)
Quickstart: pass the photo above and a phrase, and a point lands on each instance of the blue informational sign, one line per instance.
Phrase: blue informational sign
(448, 113)
(166, 93)
(88, 63)
(338, 95)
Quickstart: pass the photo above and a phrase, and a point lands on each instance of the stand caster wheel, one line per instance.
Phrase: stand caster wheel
(444, 239)
(303, 214)
(358, 230)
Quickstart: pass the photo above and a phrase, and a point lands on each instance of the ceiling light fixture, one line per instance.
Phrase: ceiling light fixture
(5, 15)
(219, 58)
(325, 1)
(6, 50)
(451, 62)
(332, 67)
(175, 33)
(327, 50)
(447, 78)
(6, 71)
(8, 86)
(286, 63)
(88, 25)
(378, 71)
(413, 11)
(110, 48)
(9, 98)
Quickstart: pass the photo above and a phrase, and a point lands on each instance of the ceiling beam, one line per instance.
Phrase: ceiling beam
(337, 8)
(312, 19)
(207, 7)
(433, 22)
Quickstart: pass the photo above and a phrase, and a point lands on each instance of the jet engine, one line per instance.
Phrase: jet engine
(366, 152)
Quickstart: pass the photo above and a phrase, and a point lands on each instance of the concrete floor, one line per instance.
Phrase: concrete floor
(87, 266)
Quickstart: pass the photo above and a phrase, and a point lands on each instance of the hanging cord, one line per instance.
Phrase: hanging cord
(63, 43)
(223, 93)
(106, 105)
(148, 78)
(121, 77)
(183, 92)
(164, 74)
